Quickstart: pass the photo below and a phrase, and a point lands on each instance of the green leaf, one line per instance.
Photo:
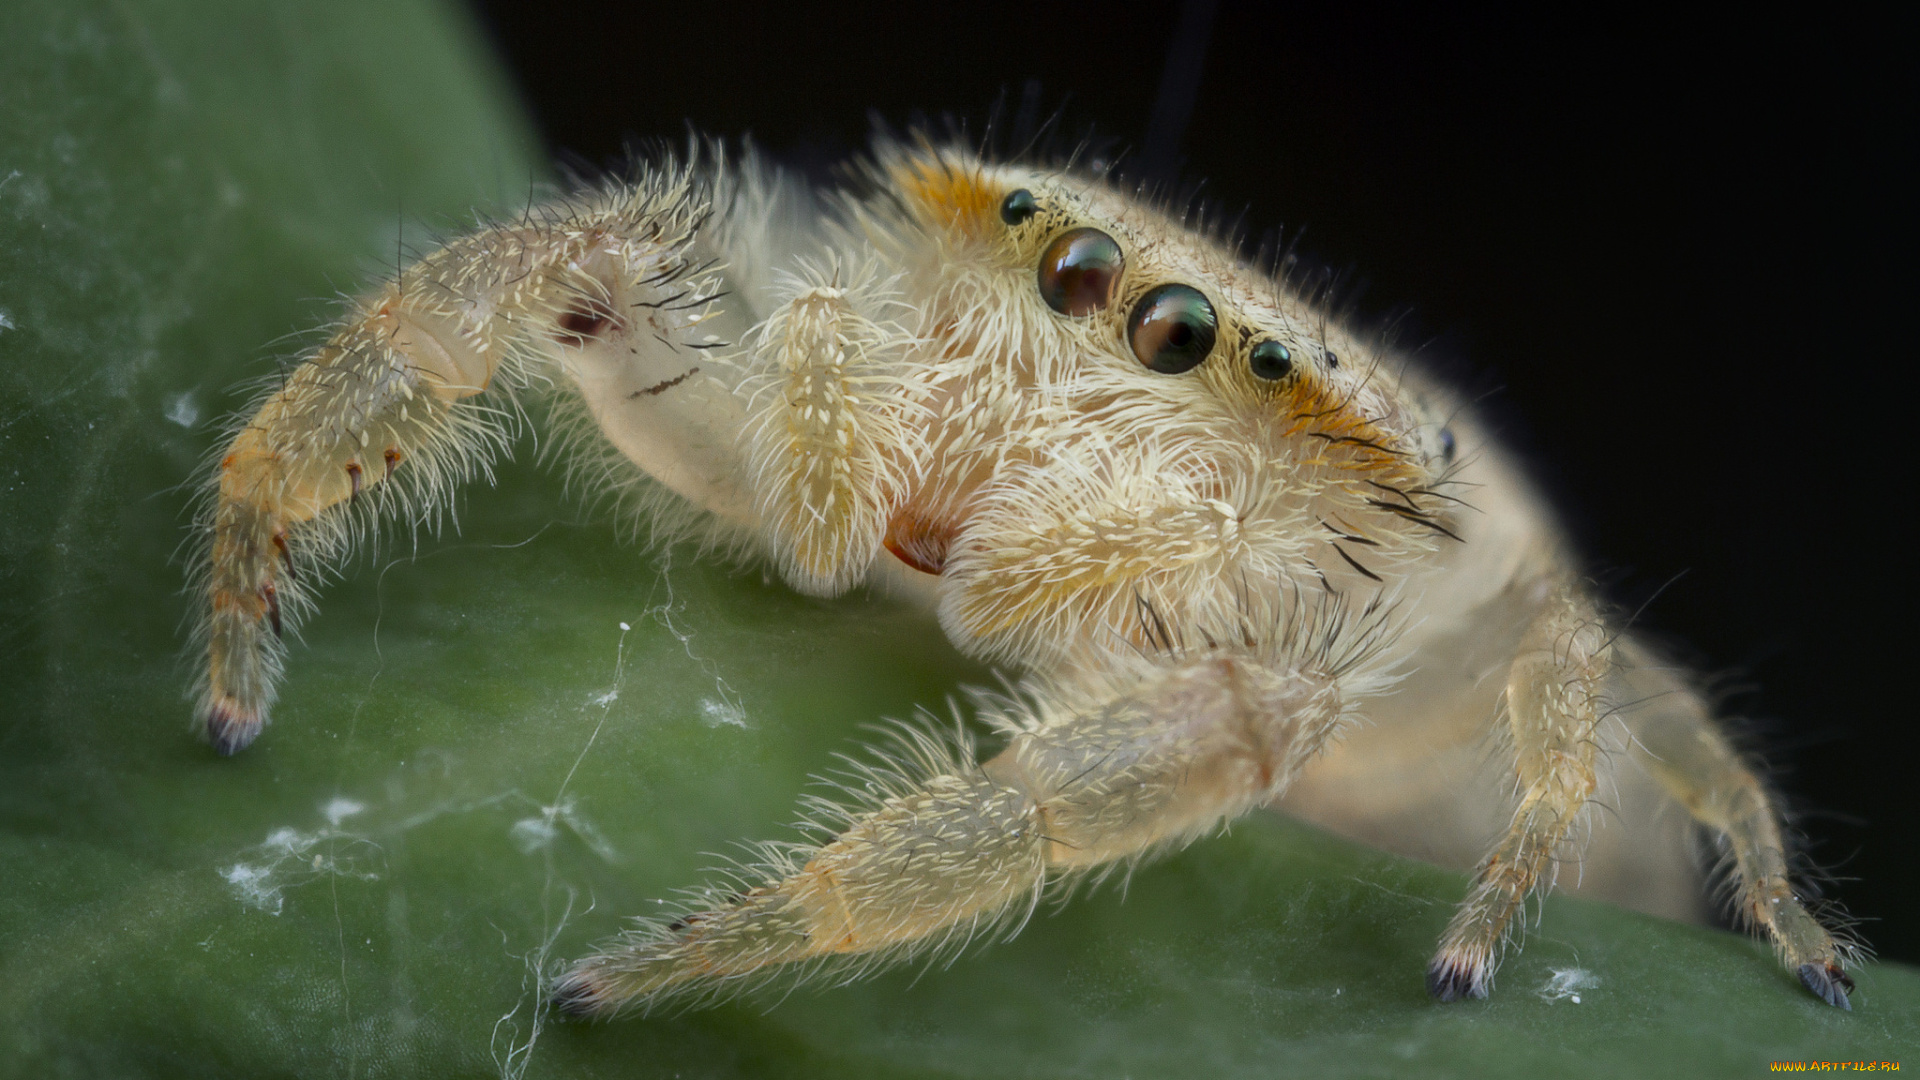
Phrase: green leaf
(475, 770)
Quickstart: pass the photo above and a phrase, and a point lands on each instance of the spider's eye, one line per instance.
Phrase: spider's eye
(1018, 207)
(1078, 271)
(1172, 329)
(1271, 360)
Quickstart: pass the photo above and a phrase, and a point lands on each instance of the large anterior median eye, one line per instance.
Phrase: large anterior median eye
(1172, 329)
(1078, 271)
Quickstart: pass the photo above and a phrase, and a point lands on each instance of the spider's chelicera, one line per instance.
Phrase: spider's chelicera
(1099, 444)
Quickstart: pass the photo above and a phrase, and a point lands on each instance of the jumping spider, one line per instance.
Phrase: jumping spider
(1242, 553)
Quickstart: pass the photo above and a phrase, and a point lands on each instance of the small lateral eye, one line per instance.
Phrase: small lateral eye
(1018, 206)
(1172, 329)
(1078, 271)
(1271, 360)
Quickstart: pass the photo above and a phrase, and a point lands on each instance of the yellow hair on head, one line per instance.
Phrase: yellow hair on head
(948, 192)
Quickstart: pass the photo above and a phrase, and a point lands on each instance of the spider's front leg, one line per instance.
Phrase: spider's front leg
(392, 413)
(948, 849)
(1552, 709)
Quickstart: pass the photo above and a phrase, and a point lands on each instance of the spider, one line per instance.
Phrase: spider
(1239, 552)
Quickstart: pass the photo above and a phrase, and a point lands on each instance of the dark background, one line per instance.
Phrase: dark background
(1671, 251)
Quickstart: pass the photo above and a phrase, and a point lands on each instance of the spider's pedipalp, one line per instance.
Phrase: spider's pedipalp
(835, 431)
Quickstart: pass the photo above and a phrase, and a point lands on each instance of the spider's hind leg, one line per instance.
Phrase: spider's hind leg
(1678, 740)
(1554, 711)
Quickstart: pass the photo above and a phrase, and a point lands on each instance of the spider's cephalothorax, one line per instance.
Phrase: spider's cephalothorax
(1241, 553)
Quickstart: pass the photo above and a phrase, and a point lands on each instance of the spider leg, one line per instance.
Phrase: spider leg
(1681, 744)
(410, 397)
(1552, 713)
(951, 848)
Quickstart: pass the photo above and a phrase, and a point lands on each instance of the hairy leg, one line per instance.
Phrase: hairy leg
(389, 413)
(1679, 742)
(1552, 712)
(951, 848)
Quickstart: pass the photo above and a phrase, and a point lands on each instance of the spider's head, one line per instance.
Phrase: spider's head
(1130, 310)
